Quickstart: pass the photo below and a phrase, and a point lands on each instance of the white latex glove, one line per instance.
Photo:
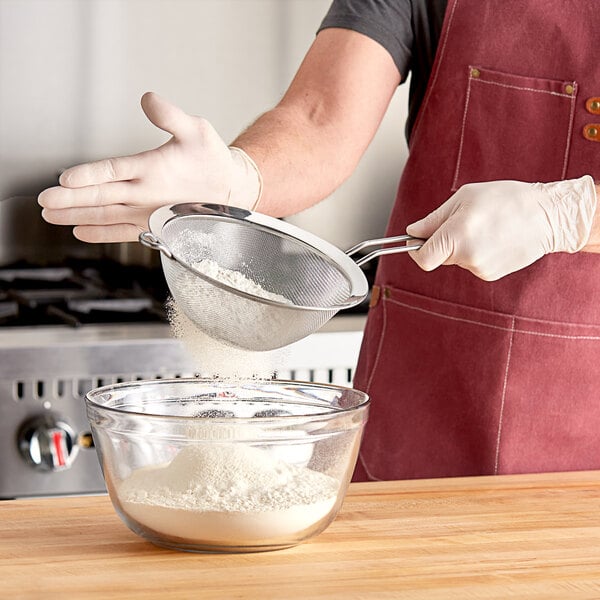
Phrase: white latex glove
(498, 227)
(110, 200)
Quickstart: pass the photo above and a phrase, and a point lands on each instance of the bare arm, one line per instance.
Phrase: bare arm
(313, 139)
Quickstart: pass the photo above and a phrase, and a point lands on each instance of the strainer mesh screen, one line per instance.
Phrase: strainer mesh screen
(279, 264)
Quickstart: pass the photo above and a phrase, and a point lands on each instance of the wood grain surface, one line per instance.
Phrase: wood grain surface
(520, 536)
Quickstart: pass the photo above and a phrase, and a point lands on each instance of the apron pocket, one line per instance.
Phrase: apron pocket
(551, 415)
(460, 391)
(499, 108)
(436, 384)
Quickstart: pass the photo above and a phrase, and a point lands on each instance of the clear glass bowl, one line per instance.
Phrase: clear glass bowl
(219, 466)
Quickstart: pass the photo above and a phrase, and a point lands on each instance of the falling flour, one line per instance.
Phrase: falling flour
(230, 494)
(214, 359)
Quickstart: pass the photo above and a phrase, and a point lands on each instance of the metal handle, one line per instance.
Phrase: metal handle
(406, 247)
(148, 239)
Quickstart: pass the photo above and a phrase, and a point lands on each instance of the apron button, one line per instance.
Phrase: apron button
(569, 89)
(592, 132)
(593, 105)
(375, 293)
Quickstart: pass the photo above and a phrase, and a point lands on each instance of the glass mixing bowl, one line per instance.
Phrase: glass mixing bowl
(219, 466)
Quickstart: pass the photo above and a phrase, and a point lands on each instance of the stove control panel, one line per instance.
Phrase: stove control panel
(47, 443)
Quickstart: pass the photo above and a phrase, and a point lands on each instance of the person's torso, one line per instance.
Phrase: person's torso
(505, 102)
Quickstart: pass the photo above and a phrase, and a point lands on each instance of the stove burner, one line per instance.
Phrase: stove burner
(8, 310)
(34, 274)
(87, 292)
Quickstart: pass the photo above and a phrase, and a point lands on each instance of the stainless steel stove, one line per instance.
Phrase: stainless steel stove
(65, 330)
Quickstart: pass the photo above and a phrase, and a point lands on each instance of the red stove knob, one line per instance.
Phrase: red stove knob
(47, 443)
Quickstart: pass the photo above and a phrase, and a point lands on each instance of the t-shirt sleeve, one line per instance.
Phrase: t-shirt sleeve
(388, 22)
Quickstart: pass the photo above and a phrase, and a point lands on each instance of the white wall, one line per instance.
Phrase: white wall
(72, 73)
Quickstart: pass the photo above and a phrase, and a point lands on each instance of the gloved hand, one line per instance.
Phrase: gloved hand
(111, 200)
(498, 227)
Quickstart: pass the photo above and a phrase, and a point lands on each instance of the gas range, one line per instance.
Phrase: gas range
(63, 331)
(80, 292)
(70, 328)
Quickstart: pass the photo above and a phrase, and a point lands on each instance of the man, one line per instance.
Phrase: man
(489, 364)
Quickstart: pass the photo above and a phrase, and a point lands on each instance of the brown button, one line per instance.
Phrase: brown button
(593, 105)
(375, 294)
(569, 89)
(475, 73)
(591, 132)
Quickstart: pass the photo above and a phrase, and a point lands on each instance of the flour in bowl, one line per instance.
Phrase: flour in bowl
(228, 494)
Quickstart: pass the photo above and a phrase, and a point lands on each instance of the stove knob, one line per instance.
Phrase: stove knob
(47, 443)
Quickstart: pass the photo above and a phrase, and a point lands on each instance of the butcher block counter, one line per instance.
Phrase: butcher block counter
(523, 536)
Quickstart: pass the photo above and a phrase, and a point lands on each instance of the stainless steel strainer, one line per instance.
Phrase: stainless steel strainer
(315, 278)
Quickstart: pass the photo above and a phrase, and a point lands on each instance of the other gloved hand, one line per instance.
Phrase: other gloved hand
(111, 200)
(498, 227)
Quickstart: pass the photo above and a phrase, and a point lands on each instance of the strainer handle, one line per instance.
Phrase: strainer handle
(406, 247)
(151, 241)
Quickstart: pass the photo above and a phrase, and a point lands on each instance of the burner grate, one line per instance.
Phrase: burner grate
(87, 292)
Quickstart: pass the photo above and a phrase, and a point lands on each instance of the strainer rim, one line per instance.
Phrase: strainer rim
(357, 280)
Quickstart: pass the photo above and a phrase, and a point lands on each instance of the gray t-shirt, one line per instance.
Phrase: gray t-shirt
(408, 29)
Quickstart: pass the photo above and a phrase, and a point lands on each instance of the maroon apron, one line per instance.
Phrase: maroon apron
(469, 377)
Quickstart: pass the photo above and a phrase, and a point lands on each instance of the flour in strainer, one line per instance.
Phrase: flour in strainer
(236, 279)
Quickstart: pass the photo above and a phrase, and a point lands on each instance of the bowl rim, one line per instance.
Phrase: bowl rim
(90, 402)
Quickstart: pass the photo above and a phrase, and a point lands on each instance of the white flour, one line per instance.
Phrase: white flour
(236, 280)
(228, 317)
(230, 494)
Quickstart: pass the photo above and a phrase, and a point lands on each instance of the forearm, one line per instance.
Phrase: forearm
(313, 139)
(301, 162)
(593, 243)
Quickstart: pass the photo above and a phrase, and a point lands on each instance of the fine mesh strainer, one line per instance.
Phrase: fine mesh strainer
(304, 280)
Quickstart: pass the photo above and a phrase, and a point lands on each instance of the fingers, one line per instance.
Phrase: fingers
(164, 115)
(104, 215)
(439, 246)
(122, 168)
(426, 227)
(436, 251)
(167, 116)
(101, 234)
(120, 192)
(115, 223)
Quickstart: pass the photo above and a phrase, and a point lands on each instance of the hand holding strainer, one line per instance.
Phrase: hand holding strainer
(288, 282)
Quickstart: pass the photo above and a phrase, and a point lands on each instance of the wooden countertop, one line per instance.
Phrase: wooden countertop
(499, 537)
